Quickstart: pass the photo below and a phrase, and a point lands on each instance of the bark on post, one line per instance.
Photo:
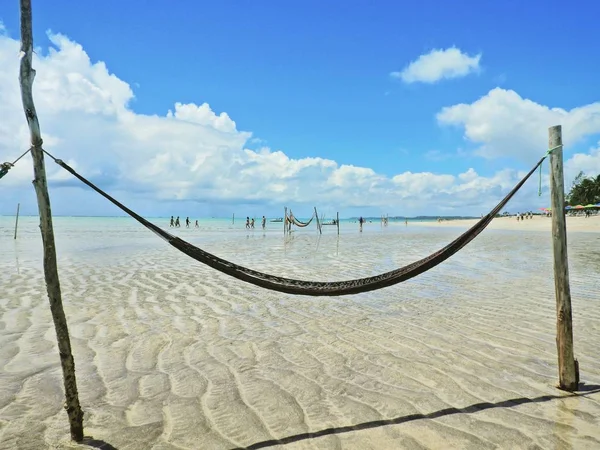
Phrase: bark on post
(26, 76)
(17, 220)
(568, 373)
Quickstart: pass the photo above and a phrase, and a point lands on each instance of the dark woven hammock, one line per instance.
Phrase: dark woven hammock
(314, 288)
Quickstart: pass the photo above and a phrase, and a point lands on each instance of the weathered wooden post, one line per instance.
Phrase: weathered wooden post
(568, 371)
(337, 221)
(17, 221)
(318, 222)
(26, 76)
(285, 219)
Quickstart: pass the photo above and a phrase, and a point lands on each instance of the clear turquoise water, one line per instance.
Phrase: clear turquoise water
(63, 225)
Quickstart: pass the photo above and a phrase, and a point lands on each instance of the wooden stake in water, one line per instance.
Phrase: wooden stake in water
(285, 219)
(318, 222)
(26, 76)
(337, 221)
(568, 370)
(17, 221)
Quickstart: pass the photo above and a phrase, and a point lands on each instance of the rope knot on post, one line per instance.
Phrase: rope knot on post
(548, 153)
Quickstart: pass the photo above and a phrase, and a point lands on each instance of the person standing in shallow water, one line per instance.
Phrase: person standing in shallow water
(197, 226)
(172, 224)
(187, 222)
(247, 222)
(264, 222)
(360, 222)
(177, 224)
(252, 223)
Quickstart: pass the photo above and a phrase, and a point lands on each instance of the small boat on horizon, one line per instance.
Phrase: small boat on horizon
(277, 220)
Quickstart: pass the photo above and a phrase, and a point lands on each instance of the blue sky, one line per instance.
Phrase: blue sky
(313, 79)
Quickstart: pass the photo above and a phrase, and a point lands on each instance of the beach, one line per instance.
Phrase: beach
(171, 354)
(537, 223)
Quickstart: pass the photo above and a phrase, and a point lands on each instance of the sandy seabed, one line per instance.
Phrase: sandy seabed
(173, 355)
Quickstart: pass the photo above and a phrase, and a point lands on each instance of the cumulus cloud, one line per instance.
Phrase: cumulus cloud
(439, 64)
(504, 124)
(588, 163)
(193, 155)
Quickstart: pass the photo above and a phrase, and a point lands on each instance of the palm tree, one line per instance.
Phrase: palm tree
(585, 190)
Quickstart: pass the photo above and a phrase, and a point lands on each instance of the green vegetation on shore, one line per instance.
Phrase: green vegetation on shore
(584, 191)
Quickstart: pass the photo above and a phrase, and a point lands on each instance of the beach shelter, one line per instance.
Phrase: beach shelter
(590, 206)
(568, 207)
(578, 207)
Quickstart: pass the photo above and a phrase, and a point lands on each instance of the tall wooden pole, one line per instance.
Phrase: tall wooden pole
(285, 219)
(26, 76)
(17, 221)
(568, 372)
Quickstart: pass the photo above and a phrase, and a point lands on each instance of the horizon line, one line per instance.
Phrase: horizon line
(241, 217)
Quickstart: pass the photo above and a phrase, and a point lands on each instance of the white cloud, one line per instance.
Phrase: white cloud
(439, 64)
(588, 163)
(505, 124)
(192, 154)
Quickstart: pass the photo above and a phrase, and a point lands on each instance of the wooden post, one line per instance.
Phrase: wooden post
(285, 219)
(318, 223)
(337, 221)
(568, 373)
(26, 76)
(17, 221)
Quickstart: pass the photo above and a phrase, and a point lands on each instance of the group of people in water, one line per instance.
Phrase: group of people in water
(176, 224)
(250, 223)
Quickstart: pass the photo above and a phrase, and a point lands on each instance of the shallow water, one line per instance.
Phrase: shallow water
(171, 354)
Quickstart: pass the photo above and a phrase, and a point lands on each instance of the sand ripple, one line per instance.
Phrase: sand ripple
(172, 355)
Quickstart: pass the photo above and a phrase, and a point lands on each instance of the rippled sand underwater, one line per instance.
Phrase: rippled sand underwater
(171, 354)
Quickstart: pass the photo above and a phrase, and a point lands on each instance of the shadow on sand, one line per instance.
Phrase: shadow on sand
(584, 389)
(97, 443)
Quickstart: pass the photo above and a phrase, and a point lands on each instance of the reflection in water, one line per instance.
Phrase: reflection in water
(17, 256)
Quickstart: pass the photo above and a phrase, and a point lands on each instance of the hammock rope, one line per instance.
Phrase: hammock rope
(313, 288)
(540, 185)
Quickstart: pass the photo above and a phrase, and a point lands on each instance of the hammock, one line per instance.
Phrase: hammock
(298, 223)
(313, 288)
(5, 167)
